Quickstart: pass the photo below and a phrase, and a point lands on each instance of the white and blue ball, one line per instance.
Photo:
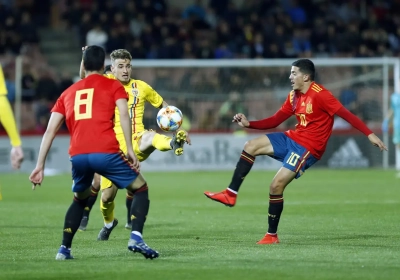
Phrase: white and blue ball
(169, 118)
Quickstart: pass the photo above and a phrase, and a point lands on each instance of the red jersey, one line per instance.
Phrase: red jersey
(315, 112)
(89, 107)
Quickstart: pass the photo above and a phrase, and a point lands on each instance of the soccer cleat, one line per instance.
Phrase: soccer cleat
(84, 223)
(139, 246)
(64, 254)
(128, 226)
(177, 142)
(105, 232)
(269, 239)
(225, 197)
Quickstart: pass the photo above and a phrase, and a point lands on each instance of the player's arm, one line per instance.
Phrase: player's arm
(8, 121)
(357, 123)
(152, 96)
(279, 117)
(285, 112)
(55, 122)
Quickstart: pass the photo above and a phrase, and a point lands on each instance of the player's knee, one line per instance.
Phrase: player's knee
(277, 187)
(148, 136)
(146, 140)
(107, 196)
(252, 147)
(96, 182)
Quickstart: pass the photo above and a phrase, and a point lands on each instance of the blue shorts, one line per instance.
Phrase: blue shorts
(113, 166)
(294, 156)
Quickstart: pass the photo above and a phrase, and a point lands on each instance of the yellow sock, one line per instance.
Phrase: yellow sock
(162, 142)
(0, 194)
(107, 209)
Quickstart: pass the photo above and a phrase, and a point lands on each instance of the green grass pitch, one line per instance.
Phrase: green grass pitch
(336, 224)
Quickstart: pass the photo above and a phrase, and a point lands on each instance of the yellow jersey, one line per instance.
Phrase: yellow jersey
(139, 92)
(6, 113)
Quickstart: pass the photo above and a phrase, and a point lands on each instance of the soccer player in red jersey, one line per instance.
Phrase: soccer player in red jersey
(298, 149)
(88, 108)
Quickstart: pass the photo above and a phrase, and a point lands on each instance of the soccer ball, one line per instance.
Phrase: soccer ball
(169, 118)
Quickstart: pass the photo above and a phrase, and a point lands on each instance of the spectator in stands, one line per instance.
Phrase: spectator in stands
(96, 36)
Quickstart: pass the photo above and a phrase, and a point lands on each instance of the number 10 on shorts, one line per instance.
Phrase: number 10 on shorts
(292, 160)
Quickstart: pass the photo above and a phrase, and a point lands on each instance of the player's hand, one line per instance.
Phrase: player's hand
(133, 160)
(17, 157)
(36, 177)
(241, 120)
(385, 125)
(377, 142)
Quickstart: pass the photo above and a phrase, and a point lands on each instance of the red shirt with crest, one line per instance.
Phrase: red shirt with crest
(314, 112)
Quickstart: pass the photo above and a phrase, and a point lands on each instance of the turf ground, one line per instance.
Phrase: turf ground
(335, 225)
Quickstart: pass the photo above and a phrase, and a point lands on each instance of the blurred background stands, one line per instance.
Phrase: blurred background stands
(49, 35)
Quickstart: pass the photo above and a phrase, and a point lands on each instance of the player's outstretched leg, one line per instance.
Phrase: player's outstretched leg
(72, 219)
(229, 195)
(107, 209)
(128, 203)
(151, 140)
(258, 146)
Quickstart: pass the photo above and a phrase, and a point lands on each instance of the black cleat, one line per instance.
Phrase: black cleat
(84, 223)
(105, 232)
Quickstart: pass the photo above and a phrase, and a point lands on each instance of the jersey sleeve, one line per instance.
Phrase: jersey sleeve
(119, 91)
(3, 87)
(151, 95)
(329, 103)
(59, 107)
(287, 106)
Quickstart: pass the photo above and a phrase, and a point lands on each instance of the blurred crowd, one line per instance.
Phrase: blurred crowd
(208, 29)
(256, 29)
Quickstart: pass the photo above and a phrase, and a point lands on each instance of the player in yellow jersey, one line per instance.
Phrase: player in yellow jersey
(8, 122)
(144, 141)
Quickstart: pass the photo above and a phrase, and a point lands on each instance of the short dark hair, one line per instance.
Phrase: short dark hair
(306, 66)
(107, 69)
(93, 58)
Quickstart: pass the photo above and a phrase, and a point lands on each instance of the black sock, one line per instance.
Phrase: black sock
(140, 208)
(91, 201)
(274, 212)
(128, 202)
(72, 220)
(243, 167)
